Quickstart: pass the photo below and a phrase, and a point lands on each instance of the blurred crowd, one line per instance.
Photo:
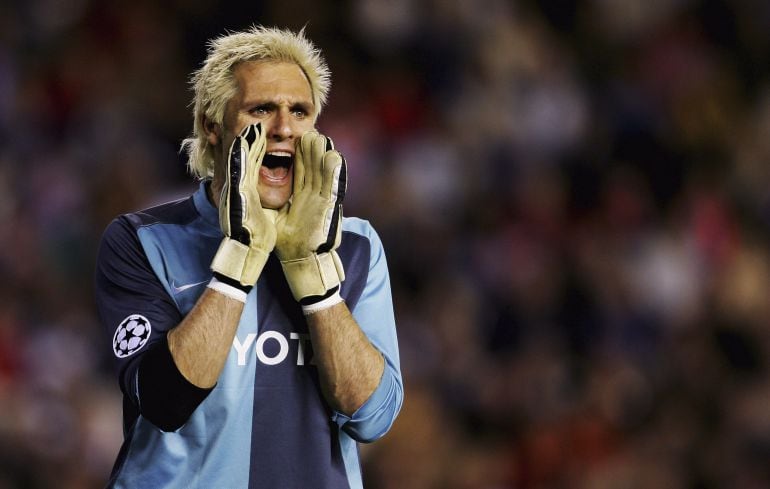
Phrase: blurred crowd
(574, 197)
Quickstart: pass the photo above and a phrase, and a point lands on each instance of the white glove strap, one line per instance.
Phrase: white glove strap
(227, 290)
(333, 299)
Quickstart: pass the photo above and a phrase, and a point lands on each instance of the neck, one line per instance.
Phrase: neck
(213, 191)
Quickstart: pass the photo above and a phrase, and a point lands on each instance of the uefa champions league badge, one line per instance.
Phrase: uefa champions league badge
(132, 334)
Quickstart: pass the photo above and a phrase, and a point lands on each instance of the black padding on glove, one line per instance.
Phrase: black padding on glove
(341, 188)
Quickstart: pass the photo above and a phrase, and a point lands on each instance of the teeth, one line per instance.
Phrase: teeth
(279, 153)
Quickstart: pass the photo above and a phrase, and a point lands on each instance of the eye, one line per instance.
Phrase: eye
(260, 110)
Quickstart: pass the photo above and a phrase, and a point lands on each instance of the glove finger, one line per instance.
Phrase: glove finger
(299, 170)
(232, 190)
(332, 223)
(253, 144)
(255, 137)
(306, 155)
(341, 178)
(317, 162)
(326, 173)
(332, 163)
(224, 200)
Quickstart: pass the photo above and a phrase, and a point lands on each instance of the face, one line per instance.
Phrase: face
(278, 95)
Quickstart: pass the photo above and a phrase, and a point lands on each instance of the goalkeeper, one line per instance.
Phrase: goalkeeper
(252, 324)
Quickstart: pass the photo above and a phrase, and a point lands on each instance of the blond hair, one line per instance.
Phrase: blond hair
(214, 83)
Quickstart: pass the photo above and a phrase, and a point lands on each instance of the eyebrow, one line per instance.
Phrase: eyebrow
(306, 106)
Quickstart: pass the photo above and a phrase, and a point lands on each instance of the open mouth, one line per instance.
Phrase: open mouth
(276, 165)
(278, 159)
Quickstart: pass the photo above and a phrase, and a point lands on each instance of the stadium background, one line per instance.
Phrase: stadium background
(574, 197)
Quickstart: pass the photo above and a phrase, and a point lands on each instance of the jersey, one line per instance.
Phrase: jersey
(265, 424)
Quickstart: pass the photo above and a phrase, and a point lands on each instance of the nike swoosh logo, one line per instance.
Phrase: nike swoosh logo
(178, 289)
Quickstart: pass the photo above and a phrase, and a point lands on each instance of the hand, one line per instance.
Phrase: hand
(248, 228)
(310, 227)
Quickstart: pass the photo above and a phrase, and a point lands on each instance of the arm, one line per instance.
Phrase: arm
(373, 312)
(200, 350)
(350, 368)
(357, 360)
(175, 375)
(169, 376)
(126, 286)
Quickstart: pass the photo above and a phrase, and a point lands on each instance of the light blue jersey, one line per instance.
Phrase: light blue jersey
(265, 424)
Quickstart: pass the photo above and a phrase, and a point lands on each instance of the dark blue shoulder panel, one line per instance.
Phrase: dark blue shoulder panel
(354, 252)
(180, 211)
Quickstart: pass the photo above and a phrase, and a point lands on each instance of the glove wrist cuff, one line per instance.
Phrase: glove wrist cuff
(314, 275)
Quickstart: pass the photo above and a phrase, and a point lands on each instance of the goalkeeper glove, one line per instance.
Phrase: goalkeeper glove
(248, 228)
(310, 227)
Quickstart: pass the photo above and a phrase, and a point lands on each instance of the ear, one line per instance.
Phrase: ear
(212, 129)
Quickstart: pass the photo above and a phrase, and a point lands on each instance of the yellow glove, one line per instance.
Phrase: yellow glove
(249, 230)
(310, 227)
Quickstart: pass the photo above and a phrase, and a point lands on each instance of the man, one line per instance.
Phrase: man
(252, 325)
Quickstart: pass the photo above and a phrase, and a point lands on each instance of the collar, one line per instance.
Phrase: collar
(206, 209)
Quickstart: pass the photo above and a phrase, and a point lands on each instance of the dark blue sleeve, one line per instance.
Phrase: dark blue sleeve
(137, 314)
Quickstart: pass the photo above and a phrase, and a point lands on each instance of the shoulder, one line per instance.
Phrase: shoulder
(361, 231)
(354, 226)
(180, 211)
(123, 232)
(360, 239)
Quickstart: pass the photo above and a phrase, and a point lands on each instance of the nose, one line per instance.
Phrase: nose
(281, 127)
